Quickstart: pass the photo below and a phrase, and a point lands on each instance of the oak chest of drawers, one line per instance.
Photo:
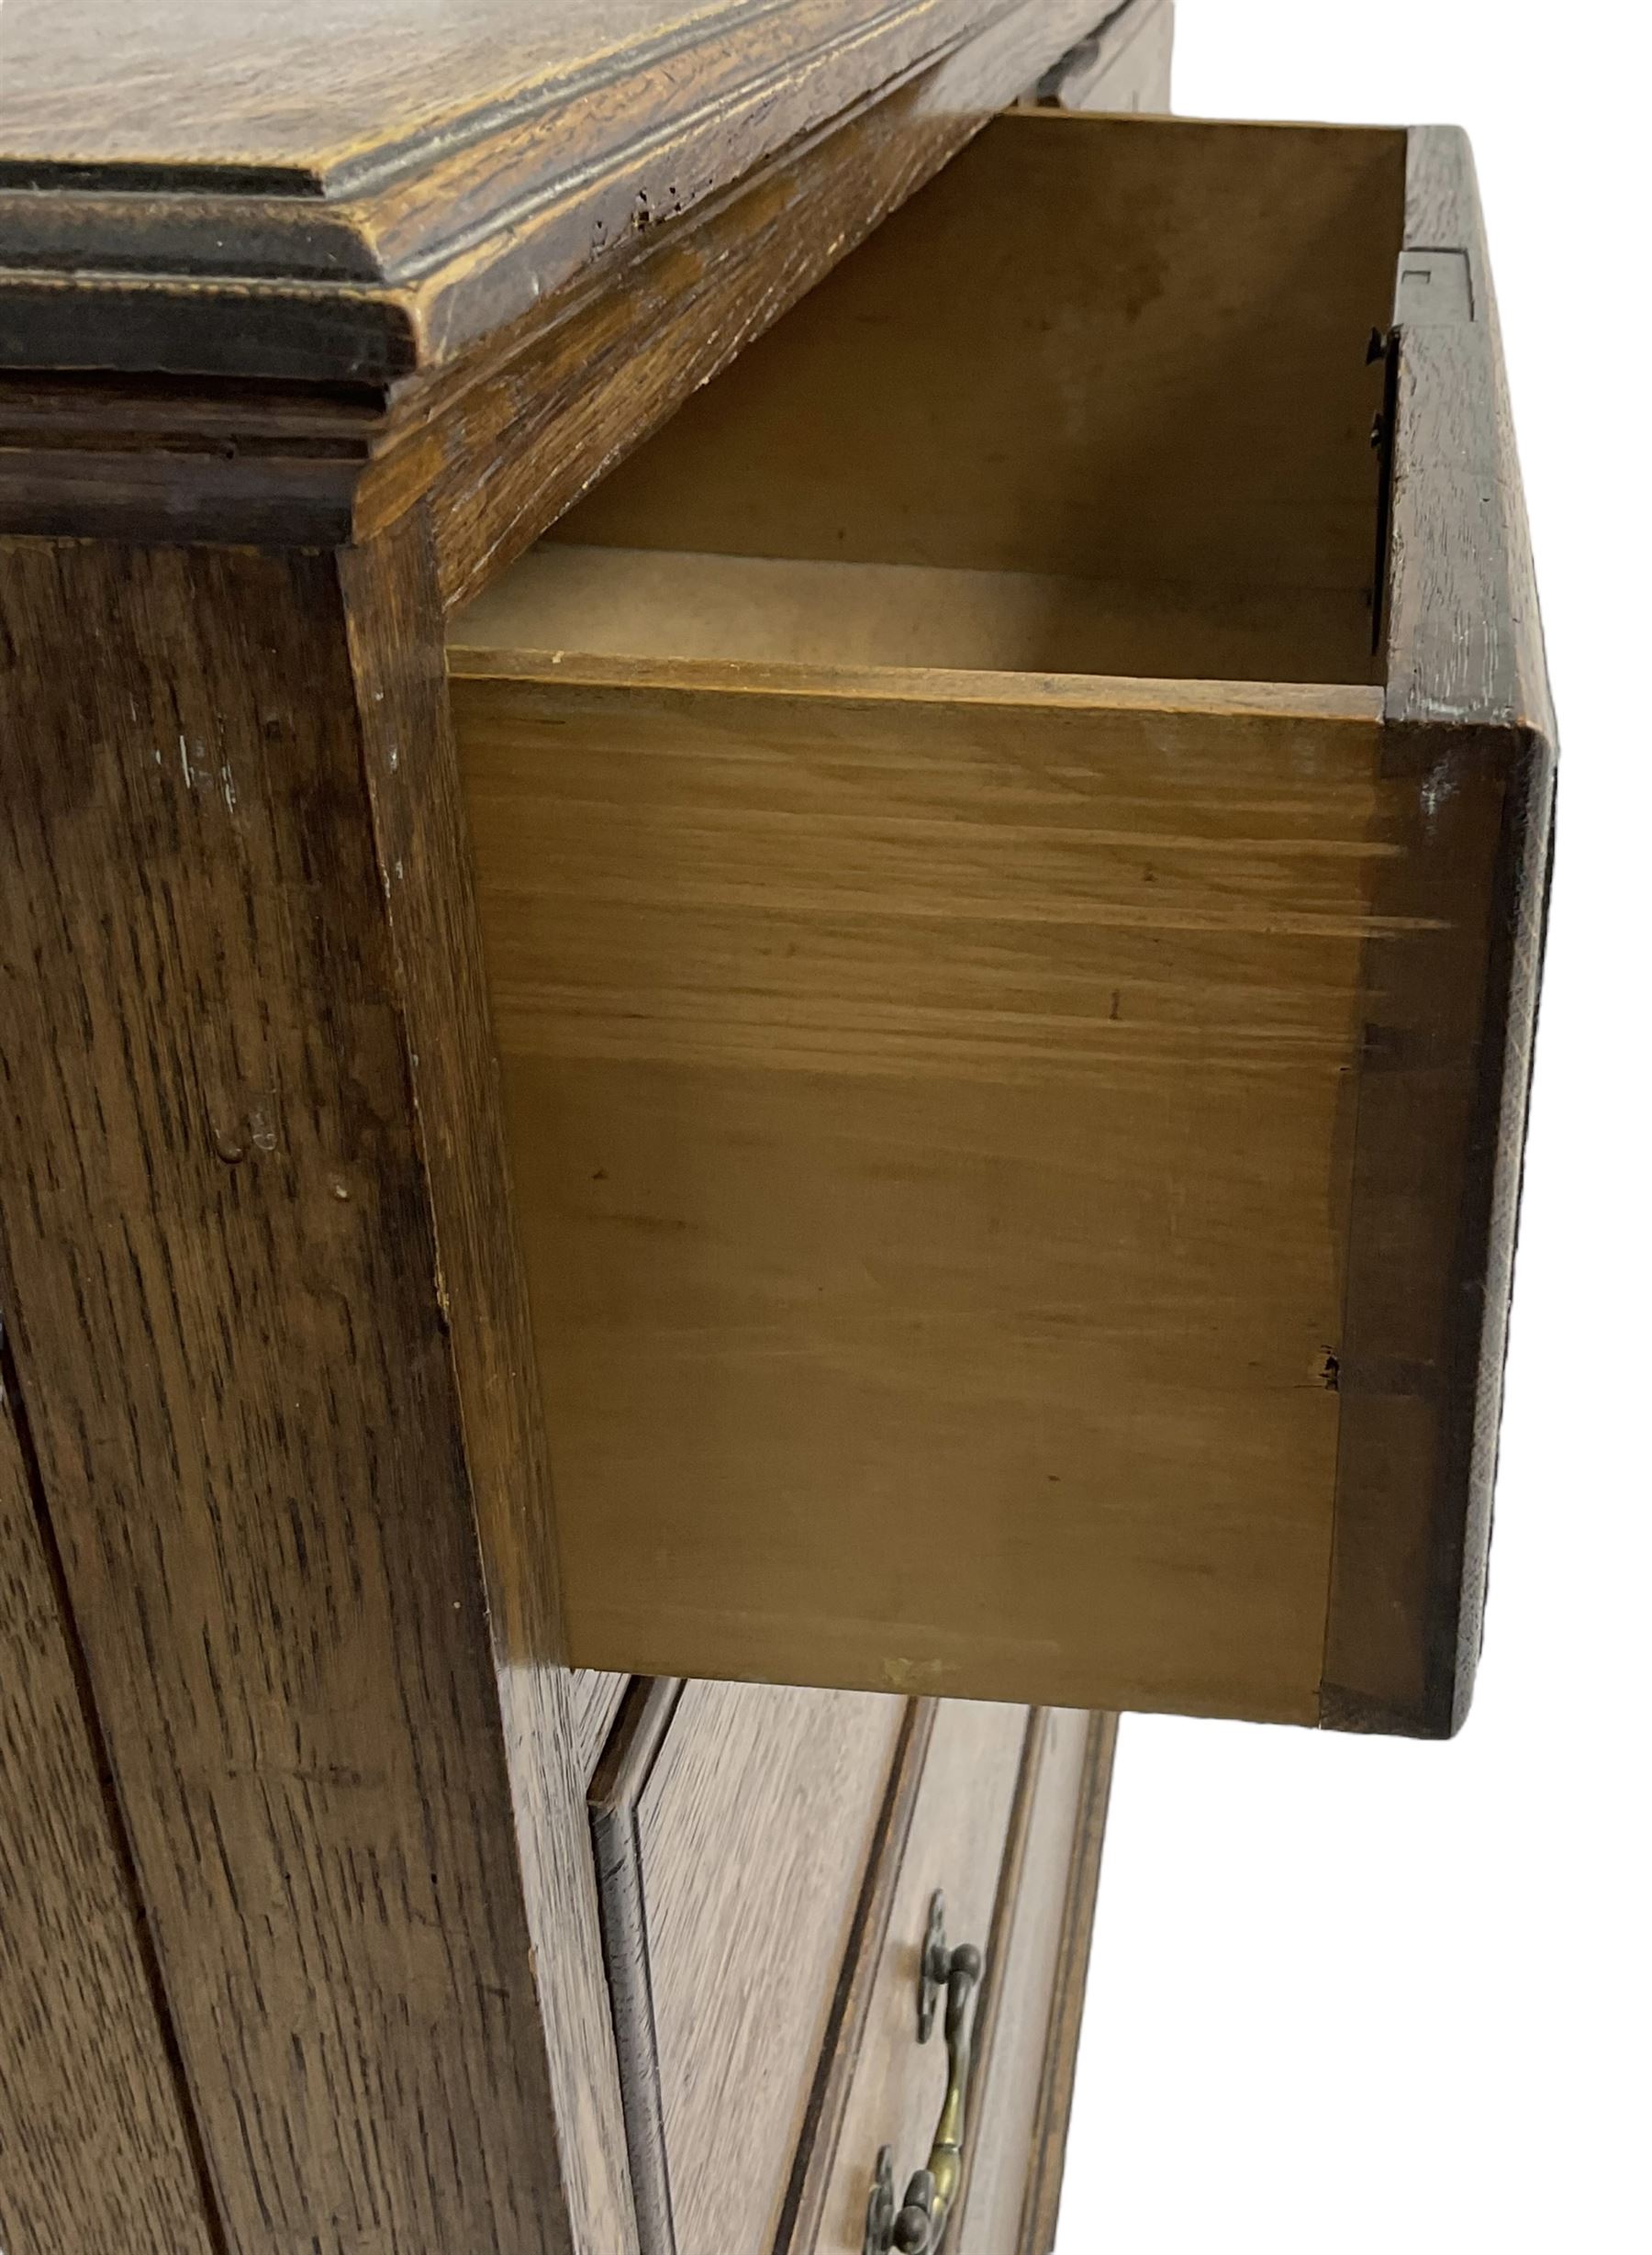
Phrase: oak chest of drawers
(773, 832)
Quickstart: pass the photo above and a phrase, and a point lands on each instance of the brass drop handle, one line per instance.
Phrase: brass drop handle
(918, 2225)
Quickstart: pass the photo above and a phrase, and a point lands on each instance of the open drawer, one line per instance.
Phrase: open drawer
(1010, 843)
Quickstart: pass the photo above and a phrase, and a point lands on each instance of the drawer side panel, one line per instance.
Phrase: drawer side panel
(902, 1087)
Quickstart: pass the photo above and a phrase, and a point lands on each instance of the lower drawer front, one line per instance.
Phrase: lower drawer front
(895, 2085)
(1027, 2029)
(1006, 1823)
(734, 1827)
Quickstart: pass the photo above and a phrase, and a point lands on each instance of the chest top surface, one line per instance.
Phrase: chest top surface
(353, 189)
(327, 97)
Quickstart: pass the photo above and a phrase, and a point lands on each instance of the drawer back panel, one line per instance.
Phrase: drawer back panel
(1128, 354)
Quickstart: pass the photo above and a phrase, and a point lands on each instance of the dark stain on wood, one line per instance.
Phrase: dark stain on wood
(1442, 1122)
(240, 1387)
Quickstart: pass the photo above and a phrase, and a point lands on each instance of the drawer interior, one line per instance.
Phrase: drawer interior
(995, 1025)
(1096, 401)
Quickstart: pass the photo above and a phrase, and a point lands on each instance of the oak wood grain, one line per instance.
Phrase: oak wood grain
(506, 433)
(735, 1836)
(758, 1826)
(1019, 1993)
(615, 1790)
(410, 772)
(96, 2150)
(857, 1986)
(1041, 2204)
(1464, 639)
(1467, 704)
(225, 1293)
(549, 413)
(345, 192)
(956, 1844)
(594, 1702)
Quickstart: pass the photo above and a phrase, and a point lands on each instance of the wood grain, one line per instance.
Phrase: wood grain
(225, 1298)
(1018, 1997)
(617, 1788)
(1122, 423)
(594, 1703)
(350, 193)
(549, 413)
(764, 556)
(890, 1165)
(955, 1843)
(800, 2220)
(735, 1826)
(410, 771)
(1468, 707)
(1041, 2205)
(1465, 633)
(506, 433)
(96, 2150)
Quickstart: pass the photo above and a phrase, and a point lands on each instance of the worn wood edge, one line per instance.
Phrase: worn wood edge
(355, 167)
(409, 765)
(625, 1762)
(1455, 1513)
(875, 55)
(616, 365)
(1466, 672)
(806, 212)
(988, 2000)
(702, 290)
(622, 1772)
(1075, 80)
(242, 219)
(505, 435)
(805, 2201)
(421, 847)
(527, 670)
(100, 455)
(274, 461)
(1529, 849)
(171, 617)
(1043, 2199)
(443, 269)
(595, 1697)
(1465, 631)
(294, 331)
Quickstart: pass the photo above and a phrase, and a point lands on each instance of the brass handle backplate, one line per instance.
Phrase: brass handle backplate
(917, 2227)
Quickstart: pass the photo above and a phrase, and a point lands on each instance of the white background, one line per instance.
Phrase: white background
(1358, 1996)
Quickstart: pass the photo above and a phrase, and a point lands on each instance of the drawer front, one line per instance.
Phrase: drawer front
(1005, 1819)
(734, 1825)
(1026, 2032)
(892, 2086)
